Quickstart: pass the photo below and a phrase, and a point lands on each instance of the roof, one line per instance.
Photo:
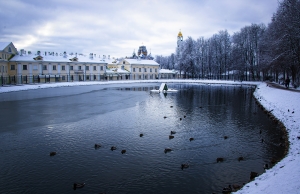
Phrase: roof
(141, 62)
(3, 45)
(61, 58)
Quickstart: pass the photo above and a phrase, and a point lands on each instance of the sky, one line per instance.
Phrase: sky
(117, 28)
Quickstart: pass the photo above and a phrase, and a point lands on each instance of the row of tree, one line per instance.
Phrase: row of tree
(256, 52)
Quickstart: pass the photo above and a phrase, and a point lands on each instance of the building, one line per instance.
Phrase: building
(7, 51)
(179, 38)
(141, 69)
(142, 54)
(41, 67)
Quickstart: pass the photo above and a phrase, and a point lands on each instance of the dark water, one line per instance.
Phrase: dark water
(71, 120)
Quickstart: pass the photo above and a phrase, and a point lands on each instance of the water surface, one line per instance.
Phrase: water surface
(70, 120)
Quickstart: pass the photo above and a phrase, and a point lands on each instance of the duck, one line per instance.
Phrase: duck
(191, 139)
(171, 106)
(171, 136)
(253, 175)
(52, 153)
(184, 116)
(225, 137)
(165, 117)
(123, 151)
(113, 148)
(173, 132)
(266, 166)
(184, 166)
(236, 187)
(141, 135)
(240, 158)
(167, 150)
(180, 118)
(78, 185)
(220, 160)
(227, 190)
(97, 146)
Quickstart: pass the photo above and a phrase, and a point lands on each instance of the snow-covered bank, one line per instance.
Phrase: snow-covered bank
(284, 176)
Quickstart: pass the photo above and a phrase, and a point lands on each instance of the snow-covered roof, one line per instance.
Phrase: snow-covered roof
(3, 45)
(141, 62)
(116, 70)
(61, 58)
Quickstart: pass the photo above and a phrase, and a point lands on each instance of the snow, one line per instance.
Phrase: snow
(284, 176)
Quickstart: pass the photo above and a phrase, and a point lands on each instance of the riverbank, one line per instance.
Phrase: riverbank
(284, 104)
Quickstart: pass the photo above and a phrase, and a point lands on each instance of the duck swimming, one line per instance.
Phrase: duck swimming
(78, 185)
(184, 166)
(113, 148)
(52, 153)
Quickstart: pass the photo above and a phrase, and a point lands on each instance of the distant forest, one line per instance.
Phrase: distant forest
(256, 52)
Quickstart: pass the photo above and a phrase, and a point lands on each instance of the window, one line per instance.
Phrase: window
(71, 67)
(12, 67)
(87, 77)
(101, 68)
(145, 69)
(155, 70)
(140, 69)
(24, 67)
(35, 67)
(95, 68)
(54, 67)
(87, 67)
(134, 69)
(63, 77)
(63, 67)
(79, 67)
(123, 62)
(150, 69)
(9, 49)
(95, 77)
(44, 67)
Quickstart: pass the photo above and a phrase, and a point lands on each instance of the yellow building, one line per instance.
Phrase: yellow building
(141, 69)
(7, 51)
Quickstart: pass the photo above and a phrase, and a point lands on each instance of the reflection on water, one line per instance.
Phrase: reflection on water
(71, 122)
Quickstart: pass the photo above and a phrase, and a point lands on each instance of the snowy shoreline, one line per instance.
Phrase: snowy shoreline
(281, 178)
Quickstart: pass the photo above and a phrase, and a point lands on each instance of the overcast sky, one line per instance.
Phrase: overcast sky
(116, 28)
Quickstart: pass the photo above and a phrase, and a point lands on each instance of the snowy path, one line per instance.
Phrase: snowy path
(284, 176)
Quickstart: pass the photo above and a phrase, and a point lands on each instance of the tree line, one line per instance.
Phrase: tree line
(256, 52)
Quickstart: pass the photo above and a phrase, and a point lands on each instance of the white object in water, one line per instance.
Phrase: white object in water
(164, 89)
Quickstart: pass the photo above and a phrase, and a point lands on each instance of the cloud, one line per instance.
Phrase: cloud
(118, 27)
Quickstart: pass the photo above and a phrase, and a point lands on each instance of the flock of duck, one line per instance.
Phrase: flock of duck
(229, 189)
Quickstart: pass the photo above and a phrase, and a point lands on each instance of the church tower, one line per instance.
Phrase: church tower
(179, 38)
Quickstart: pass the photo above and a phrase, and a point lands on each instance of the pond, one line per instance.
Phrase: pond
(224, 122)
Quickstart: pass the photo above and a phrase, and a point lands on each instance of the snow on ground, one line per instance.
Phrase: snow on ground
(284, 176)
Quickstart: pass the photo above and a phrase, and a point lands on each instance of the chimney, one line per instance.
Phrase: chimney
(65, 54)
(91, 55)
(39, 52)
(108, 56)
(22, 52)
(103, 56)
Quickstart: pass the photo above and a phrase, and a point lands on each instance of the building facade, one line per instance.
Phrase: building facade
(42, 67)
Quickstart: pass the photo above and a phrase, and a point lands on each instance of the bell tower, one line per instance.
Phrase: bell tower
(179, 38)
